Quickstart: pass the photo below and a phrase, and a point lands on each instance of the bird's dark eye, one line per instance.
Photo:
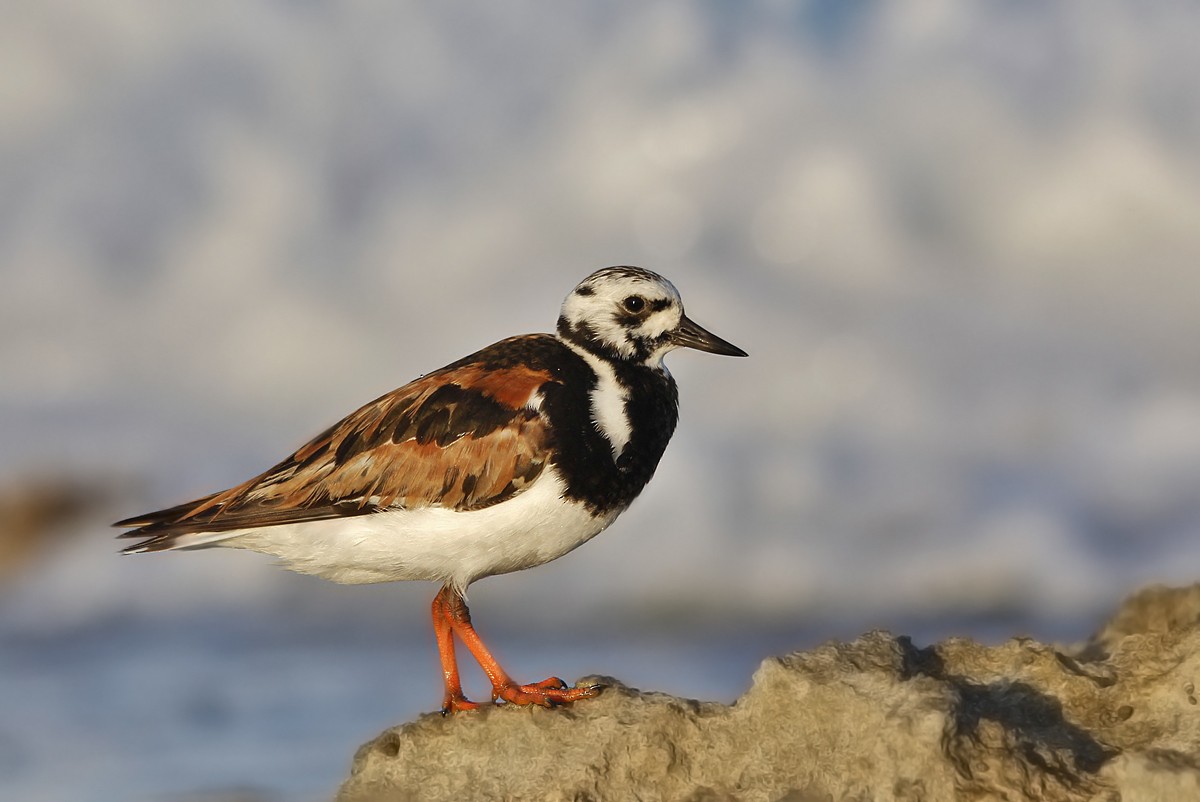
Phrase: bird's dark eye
(635, 303)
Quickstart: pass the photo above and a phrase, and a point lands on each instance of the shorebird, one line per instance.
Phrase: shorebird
(506, 459)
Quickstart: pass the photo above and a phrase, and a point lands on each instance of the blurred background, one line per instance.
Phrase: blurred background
(959, 241)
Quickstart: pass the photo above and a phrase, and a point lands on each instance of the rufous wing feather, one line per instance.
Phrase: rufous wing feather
(464, 437)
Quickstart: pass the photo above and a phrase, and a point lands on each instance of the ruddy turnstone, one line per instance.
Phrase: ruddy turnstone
(506, 459)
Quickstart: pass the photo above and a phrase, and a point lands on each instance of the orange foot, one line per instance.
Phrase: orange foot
(547, 693)
(450, 619)
(457, 704)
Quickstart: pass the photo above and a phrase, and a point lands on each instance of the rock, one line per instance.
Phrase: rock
(875, 719)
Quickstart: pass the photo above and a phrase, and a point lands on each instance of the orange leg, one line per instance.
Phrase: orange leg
(451, 617)
(454, 700)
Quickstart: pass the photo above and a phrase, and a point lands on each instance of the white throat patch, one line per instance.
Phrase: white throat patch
(608, 403)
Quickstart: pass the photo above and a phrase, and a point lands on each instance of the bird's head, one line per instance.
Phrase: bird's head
(627, 314)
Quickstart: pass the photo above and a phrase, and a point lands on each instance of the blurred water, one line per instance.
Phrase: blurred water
(275, 706)
(958, 241)
(139, 713)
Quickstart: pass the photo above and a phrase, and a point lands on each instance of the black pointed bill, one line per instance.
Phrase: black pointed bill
(691, 335)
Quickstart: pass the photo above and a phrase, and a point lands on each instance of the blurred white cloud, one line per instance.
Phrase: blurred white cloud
(958, 240)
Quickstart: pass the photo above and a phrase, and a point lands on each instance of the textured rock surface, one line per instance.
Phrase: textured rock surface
(875, 719)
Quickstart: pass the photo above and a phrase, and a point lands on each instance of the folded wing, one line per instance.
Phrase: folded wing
(464, 437)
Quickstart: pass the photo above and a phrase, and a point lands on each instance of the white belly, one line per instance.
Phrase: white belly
(434, 543)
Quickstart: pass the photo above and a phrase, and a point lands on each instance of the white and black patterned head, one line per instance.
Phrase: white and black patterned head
(627, 314)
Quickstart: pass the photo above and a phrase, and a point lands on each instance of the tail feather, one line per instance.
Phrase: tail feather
(161, 517)
(204, 522)
(170, 541)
